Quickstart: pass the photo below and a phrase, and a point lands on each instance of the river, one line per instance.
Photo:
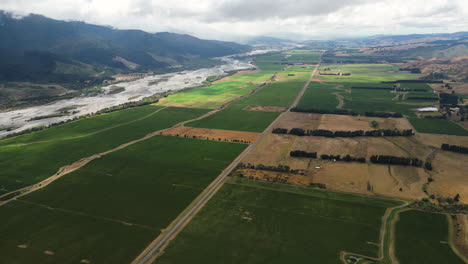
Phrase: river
(19, 120)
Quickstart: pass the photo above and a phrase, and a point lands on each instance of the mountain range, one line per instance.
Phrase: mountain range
(37, 48)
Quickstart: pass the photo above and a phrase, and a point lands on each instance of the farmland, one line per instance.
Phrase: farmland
(437, 126)
(212, 96)
(364, 73)
(423, 237)
(126, 197)
(234, 117)
(255, 222)
(292, 56)
(23, 165)
(271, 205)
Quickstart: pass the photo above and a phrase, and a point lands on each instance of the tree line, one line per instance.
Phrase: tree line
(393, 160)
(279, 168)
(425, 98)
(398, 89)
(454, 148)
(345, 112)
(358, 133)
(313, 155)
(414, 81)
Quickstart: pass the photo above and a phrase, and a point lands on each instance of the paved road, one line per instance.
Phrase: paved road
(218, 181)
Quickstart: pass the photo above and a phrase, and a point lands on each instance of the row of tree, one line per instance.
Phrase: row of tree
(279, 168)
(345, 112)
(454, 148)
(415, 81)
(424, 98)
(358, 133)
(394, 88)
(393, 160)
(383, 114)
(313, 155)
(323, 111)
(346, 158)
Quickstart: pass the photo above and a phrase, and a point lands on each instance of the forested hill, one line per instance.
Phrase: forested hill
(72, 45)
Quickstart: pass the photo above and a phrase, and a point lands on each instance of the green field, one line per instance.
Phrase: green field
(292, 55)
(118, 202)
(211, 97)
(236, 118)
(365, 73)
(259, 222)
(422, 237)
(437, 126)
(23, 165)
(257, 77)
(270, 66)
(319, 96)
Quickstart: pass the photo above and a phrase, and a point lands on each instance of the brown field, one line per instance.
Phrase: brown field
(436, 140)
(299, 120)
(461, 233)
(213, 134)
(339, 122)
(449, 171)
(450, 175)
(266, 108)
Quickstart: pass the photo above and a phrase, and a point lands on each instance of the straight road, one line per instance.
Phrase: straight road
(148, 254)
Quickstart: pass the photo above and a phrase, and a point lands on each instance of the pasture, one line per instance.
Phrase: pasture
(235, 117)
(23, 165)
(422, 237)
(257, 222)
(437, 126)
(319, 96)
(365, 73)
(118, 202)
(210, 97)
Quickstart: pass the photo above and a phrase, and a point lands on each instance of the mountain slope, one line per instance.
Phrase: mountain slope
(104, 46)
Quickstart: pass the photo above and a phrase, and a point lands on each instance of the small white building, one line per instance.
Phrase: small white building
(428, 109)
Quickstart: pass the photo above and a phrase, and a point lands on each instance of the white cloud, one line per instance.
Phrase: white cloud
(223, 19)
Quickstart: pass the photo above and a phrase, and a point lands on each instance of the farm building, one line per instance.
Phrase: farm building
(428, 109)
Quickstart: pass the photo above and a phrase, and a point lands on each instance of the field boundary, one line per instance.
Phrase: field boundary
(89, 134)
(64, 170)
(152, 251)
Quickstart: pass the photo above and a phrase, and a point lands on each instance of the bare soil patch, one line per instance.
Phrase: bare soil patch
(436, 140)
(48, 252)
(343, 122)
(450, 175)
(213, 134)
(266, 108)
(300, 120)
(461, 233)
(23, 246)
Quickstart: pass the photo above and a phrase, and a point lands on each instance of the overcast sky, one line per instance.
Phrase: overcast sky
(229, 19)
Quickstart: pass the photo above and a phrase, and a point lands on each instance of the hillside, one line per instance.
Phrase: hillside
(72, 42)
(425, 46)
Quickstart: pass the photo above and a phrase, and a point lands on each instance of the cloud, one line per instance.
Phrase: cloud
(232, 19)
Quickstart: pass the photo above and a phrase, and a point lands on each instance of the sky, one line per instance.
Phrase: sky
(239, 19)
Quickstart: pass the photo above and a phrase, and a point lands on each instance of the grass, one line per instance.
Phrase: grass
(147, 184)
(291, 55)
(23, 165)
(437, 126)
(235, 118)
(257, 77)
(365, 73)
(210, 97)
(270, 66)
(422, 237)
(319, 96)
(258, 222)
(72, 237)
